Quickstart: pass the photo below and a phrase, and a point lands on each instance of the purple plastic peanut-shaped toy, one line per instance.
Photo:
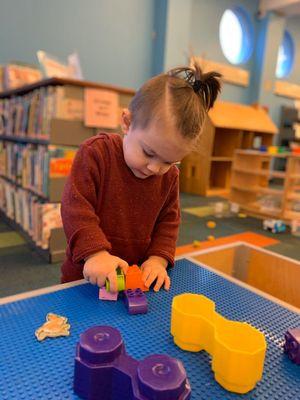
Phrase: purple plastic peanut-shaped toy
(104, 371)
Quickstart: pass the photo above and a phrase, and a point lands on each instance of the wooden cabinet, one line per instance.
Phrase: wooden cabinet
(262, 191)
(229, 126)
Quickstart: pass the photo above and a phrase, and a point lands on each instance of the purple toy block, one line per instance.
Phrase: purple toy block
(135, 301)
(105, 295)
(292, 345)
(104, 371)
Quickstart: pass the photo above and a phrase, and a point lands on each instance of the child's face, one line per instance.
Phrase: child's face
(152, 151)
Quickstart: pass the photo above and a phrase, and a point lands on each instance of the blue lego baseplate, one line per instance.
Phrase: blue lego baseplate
(44, 370)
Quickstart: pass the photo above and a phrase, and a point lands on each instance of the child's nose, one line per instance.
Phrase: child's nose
(154, 167)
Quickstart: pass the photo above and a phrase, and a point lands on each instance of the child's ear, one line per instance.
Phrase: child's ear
(125, 120)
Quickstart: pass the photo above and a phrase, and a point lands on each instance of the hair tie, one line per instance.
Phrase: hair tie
(197, 85)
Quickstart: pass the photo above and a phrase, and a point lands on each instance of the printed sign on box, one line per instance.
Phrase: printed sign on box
(101, 108)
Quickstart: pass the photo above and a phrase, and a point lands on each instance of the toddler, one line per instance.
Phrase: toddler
(120, 204)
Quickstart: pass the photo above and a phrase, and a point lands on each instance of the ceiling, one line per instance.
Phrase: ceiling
(285, 7)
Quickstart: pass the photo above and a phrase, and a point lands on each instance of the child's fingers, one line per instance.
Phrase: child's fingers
(85, 275)
(167, 283)
(159, 281)
(123, 265)
(112, 277)
(150, 279)
(100, 280)
(146, 272)
(93, 280)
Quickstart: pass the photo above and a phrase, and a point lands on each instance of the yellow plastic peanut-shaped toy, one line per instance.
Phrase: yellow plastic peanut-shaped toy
(237, 349)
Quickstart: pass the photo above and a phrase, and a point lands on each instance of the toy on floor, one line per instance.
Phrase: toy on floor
(242, 215)
(237, 349)
(104, 371)
(292, 345)
(211, 238)
(55, 326)
(234, 208)
(295, 227)
(211, 224)
(196, 243)
(132, 287)
(274, 225)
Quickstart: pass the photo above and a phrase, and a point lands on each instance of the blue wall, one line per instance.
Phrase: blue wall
(124, 42)
(113, 37)
(204, 37)
(197, 22)
(159, 27)
(293, 26)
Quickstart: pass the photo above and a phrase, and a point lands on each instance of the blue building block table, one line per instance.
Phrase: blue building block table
(44, 370)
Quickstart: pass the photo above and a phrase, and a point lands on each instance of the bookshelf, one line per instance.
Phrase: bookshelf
(250, 184)
(289, 130)
(41, 127)
(289, 123)
(229, 126)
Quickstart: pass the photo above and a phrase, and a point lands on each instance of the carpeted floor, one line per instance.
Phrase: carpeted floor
(22, 269)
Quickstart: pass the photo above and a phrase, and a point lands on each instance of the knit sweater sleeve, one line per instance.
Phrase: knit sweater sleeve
(164, 237)
(79, 203)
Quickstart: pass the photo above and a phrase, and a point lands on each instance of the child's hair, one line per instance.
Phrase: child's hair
(188, 94)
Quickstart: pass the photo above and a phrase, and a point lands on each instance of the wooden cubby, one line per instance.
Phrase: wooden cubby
(62, 130)
(253, 188)
(262, 269)
(229, 126)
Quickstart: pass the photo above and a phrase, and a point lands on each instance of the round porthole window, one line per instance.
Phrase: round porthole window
(286, 55)
(236, 35)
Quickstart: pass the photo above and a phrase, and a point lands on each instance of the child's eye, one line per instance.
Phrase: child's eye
(147, 154)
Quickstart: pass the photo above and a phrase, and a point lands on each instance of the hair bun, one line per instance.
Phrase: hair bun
(197, 85)
(206, 85)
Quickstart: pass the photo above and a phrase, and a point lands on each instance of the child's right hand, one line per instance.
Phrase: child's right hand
(102, 265)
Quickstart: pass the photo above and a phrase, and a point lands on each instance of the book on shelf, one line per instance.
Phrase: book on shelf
(30, 115)
(60, 160)
(1, 78)
(2, 159)
(32, 165)
(35, 218)
(41, 128)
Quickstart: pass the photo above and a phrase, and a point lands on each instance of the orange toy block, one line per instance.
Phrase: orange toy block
(133, 279)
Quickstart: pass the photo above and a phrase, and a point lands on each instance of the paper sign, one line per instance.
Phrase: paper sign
(101, 108)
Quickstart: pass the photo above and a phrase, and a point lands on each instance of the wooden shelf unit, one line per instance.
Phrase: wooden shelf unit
(63, 130)
(229, 126)
(251, 188)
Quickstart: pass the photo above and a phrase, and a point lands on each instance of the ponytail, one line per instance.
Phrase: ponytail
(206, 85)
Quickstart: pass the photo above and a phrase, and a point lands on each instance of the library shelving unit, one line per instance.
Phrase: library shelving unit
(37, 122)
(253, 190)
(289, 122)
(289, 130)
(229, 126)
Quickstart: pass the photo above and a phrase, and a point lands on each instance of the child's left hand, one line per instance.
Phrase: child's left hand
(155, 268)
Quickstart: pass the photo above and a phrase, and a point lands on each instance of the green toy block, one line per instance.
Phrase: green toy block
(120, 281)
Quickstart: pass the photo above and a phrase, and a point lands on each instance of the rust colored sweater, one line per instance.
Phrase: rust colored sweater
(105, 207)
